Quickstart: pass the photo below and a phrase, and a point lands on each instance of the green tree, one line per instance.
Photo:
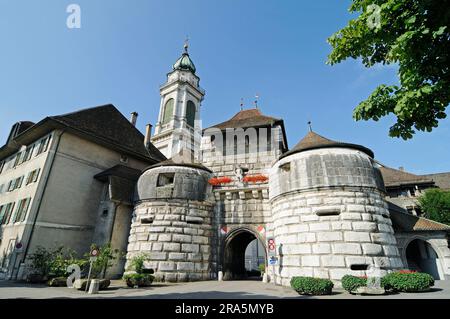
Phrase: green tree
(413, 34)
(436, 205)
(106, 258)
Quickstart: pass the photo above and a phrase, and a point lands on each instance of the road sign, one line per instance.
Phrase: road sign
(273, 260)
(94, 252)
(271, 247)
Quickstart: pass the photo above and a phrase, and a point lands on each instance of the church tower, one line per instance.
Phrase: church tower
(178, 125)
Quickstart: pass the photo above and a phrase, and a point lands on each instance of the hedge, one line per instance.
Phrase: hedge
(312, 286)
(400, 281)
(351, 283)
(407, 282)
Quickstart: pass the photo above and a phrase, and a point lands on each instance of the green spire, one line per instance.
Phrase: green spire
(185, 62)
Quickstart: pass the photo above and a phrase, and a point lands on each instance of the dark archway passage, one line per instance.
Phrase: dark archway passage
(422, 257)
(234, 254)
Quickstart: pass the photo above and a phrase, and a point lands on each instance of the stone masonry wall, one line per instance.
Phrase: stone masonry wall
(328, 246)
(329, 215)
(178, 240)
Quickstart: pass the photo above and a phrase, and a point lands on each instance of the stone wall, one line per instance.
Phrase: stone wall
(177, 241)
(173, 224)
(241, 205)
(329, 216)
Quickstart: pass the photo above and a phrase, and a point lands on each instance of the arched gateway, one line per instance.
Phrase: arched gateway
(234, 249)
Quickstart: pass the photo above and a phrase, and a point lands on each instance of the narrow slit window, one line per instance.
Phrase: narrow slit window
(359, 267)
(328, 212)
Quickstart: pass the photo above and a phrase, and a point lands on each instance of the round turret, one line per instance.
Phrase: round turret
(172, 221)
(329, 213)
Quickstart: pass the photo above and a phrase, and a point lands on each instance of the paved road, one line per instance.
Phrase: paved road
(198, 290)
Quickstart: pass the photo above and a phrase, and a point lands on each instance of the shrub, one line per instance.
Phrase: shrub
(262, 268)
(106, 258)
(311, 286)
(140, 280)
(49, 264)
(407, 282)
(140, 276)
(351, 283)
(137, 263)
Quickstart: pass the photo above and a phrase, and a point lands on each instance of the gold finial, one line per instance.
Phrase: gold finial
(310, 127)
(186, 44)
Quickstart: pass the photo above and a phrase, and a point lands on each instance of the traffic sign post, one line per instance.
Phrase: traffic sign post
(19, 247)
(94, 253)
(272, 254)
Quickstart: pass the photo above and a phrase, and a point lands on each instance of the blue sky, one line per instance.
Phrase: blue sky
(124, 49)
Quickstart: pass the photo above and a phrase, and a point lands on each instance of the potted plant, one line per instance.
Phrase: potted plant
(137, 275)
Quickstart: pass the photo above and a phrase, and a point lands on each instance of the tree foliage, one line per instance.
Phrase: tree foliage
(415, 35)
(436, 205)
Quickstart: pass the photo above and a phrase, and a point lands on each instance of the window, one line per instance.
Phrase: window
(19, 181)
(7, 213)
(17, 159)
(33, 176)
(27, 154)
(22, 209)
(2, 164)
(10, 187)
(2, 188)
(2, 212)
(43, 145)
(165, 179)
(190, 113)
(168, 111)
(15, 183)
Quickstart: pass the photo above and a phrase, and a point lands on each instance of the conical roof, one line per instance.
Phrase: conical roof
(184, 158)
(313, 141)
(184, 63)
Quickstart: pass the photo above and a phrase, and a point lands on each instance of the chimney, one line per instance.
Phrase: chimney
(133, 118)
(148, 134)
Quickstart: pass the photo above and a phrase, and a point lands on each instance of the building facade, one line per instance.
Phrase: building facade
(323, 203)
(59, 180)
(198, 202)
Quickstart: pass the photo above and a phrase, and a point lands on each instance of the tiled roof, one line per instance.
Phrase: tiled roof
(407, 222)
(247, 118)
(103, 125)
(395, 177)
(107, 123)
(313, 140)
(441, 180)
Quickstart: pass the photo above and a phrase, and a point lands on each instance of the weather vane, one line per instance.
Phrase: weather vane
(242, 103)
(310, 127)
(256, 100)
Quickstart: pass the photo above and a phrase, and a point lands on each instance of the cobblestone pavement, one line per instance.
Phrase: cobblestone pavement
(199, 290)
